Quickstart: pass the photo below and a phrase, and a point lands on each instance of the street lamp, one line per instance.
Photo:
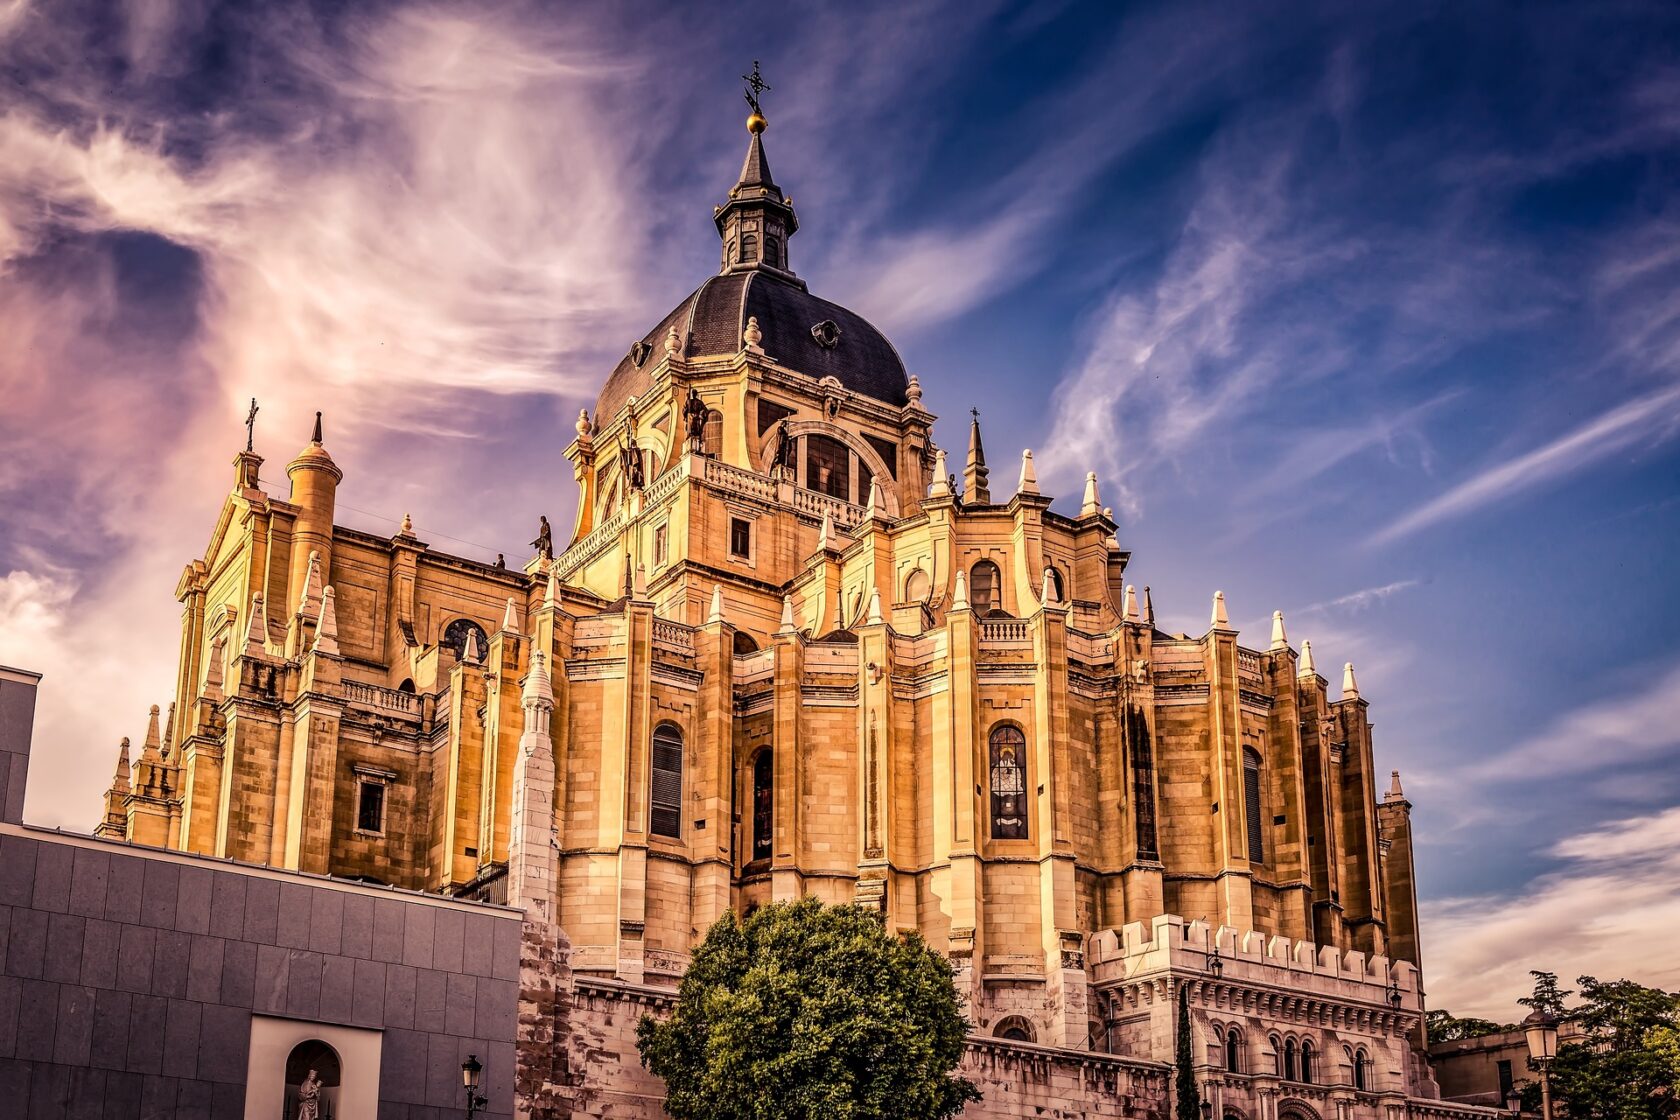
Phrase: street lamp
(1541, 1030)
(1513, 1101)
(470, 1069)
(1216, 963)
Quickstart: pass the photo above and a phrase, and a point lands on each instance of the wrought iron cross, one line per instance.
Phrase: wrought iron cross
(251, 426)
(755, 86)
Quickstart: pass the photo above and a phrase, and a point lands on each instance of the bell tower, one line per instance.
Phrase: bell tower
(758, 219)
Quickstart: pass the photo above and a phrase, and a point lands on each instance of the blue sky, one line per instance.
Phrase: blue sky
(1366, 313)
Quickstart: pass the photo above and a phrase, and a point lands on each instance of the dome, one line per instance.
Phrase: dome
(710, 321)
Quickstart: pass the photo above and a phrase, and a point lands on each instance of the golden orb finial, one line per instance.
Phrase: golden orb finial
(756, 123)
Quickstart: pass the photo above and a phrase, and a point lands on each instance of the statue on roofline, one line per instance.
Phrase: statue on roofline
(544, 544)
(694, 418)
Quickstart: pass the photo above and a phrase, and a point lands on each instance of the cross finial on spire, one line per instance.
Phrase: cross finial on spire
(251, 428)
(315, 438)
(974, 412)
(756, 85)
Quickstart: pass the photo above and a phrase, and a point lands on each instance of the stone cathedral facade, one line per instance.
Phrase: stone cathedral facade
(793, 648)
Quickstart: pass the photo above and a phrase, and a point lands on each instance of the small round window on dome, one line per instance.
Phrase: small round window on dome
(827, 334)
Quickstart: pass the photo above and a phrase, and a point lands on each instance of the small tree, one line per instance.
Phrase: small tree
(811, 1012)
(1627, 1067)
(1548, 997)
(1444, 1026)
(1189, 1095)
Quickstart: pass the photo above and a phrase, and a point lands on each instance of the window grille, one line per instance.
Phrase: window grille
(1009, 782)
(1251, 805)
(667, 781)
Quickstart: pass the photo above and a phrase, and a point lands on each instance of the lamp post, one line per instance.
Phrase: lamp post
(1513, 1101)
(470, 1069)
(1215, 963)
(1541, 1030)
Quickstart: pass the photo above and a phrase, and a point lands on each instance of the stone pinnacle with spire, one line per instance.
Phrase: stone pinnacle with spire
(1029, 477)
(1307, 668)
(309, 603)
(1221, 620)
(510, 618)
(941, 486)
(1148, 607)
(1350, 686)
(256, 628)
(975, 491)
(1131, 604)
(873, 618)
(716, 613)
(1092, 505)
(120, 780)
(1395, 793)
(1280, 640)
(959, 597)
(538, 690)
(326, 634)
(788, 626)
(825, 536)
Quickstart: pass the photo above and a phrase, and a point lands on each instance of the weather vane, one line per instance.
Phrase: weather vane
(755, 86)
(251, 426)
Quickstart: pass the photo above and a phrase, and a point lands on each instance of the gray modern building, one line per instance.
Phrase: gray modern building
(136, 982)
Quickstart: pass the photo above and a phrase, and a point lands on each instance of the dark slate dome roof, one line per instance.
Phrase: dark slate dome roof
(711, 321)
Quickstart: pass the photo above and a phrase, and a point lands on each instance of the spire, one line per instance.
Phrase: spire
(326, 633)
(169, 731)
(120, 781)
(310, 601)
(975, 492)
(1395, 793)
(825, 537)
(470, 653)
(1221, 621)
(152, 751)
(551, 591)
(716, 613)
(941, 487)
(874, 616)
(1029, 477)
(1148, 607)
(872, 508)
(1047, 590)
(787, 615)
(1091, 506)
(959, 597)
(640, 586)
(1350, 686)
(1131, 604)
(510, 618)
(1280, 640)
(538, 691)
(757, 220)
(256, 628)
(1307, 669)
(316, 437)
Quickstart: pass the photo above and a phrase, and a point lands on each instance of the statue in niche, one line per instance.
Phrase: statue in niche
(783, 457)
(544, 544)
(694, 419)
(630, 459)
(309, 1098)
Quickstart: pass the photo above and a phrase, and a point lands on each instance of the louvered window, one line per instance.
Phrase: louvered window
(1009, 782)
(667, 781)
(763, 804)
(1251, 805)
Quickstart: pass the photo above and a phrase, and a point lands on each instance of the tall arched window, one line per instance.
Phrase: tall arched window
(984, 584)
(1233, 1050)
(1251, 804)
(1015, 1028)
(711, 436)
(1058, 585)
(1009, 782)
(455, 639)
(1361, 1069)
(916, 586)
(763, 804)
(1307, 1062)
(828, 466)
(1291, 1065)
(749, 248)
(744, 643)
(772, 252)
(667, 780)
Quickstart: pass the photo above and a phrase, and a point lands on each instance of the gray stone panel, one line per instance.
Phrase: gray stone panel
(262, 911)
(111, 1010)
(17, 870)
(227, 904)
(505, 962)
(101, 942)
(204, 969)
(169, 963)
(124, 888)
(303, 985)
(53, 863)
(26, 951)
(388, 930)
(399, 995)
(157, 896)
(459, 1006)
(73, 1038)
(229, 1101)
(134, 958)
(224, 1041)
(11, 993)
(430, 998)
(147, 1018)
(295, 900)
(326, 922)
(192, 901)
(368, 1005)
(338, 990)
(239, 974)
(447, 940)
(192, 1100)
(63, 963)
(402, 1067)
(419, 923)
(122, 1095)
(49, 1092)
(90, 875)
(37, 1021)
(180, 1039)
(273, 966)
(357, 939)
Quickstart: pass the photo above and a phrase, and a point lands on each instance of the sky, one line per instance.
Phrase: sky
(1366, 313)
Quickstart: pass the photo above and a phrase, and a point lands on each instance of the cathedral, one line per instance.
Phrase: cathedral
(793, 647)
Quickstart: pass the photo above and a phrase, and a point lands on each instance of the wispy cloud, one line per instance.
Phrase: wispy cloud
(1652, 418)
(1596, 914)
(1363, 599)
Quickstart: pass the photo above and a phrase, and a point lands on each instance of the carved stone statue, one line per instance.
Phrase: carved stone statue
(544, 544)
(630, 460)
(783, 456)
(694, 418)
(309, 1098)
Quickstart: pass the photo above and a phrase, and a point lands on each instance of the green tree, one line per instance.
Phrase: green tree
(1444, 1026)
(1189, 1094)
(804, 1011)
(1547, 998)
(1627, 1067)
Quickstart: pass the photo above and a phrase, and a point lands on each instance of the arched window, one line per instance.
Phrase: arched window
(828, 467)
(1291, 1065)
(1307, 1062)
(749, 248)
(1251, 804)
(763, 804)
(916, 586)
(1009, 782)
(667, 780)
(1058, 585)
(1361, 1069)
(772, 251)
(744, 643)
(455, 639)
(1233, 1050)
(711, 436)
(407, 686)
(1015, 1028)
(313, 1074)
(984, 584)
